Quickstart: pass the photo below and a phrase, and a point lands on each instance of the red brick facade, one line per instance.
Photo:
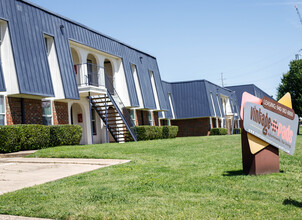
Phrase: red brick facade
(192, 127)
(142, 118)
(60, 113)
(155, 119)
(32, 109)
(13, 111)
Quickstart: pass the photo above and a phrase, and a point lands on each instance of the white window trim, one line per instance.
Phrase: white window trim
(51, 108)
(134, 116)
(171, 105)
(219, 106)
(151, 123)
(154, 89)
(211, 95)
(137, 85)
(4, 104)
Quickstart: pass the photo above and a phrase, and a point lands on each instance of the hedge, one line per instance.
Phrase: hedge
(219, 131)
(65, 135)
(9, 139)
(31, 137)
(155, 132)
(237, 131)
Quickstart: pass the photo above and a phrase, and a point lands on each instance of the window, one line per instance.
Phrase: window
(171, 105)
(2, 110)
(46, 113)
(132, 115)
(150, 118)
(154, 89)
(137, 86)
(211, 95)
(48, 43)
(93, 122)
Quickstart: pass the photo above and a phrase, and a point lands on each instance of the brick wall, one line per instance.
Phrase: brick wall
(155, 119)
(33, 111)
(60, 113)
(192, 127)
(13, 111)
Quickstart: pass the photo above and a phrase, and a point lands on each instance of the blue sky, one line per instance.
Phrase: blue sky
(247, 41)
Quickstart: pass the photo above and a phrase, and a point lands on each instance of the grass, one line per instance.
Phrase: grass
(184, 178)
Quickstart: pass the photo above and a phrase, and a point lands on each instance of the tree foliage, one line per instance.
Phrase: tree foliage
(292, 82)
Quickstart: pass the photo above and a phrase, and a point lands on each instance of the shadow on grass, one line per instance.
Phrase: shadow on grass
(233, 173)
(292, 202)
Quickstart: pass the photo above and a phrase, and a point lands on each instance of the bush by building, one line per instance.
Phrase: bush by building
(219, 131)
(155, 132)
(31, 137)
(65, 135)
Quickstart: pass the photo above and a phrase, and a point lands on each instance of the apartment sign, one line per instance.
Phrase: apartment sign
(273, 123)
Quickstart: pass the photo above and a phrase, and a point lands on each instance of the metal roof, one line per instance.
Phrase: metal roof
(193, 99)
(27, 25)
(250, 88)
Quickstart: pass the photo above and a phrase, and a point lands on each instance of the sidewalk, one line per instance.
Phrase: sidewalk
(18, 173)
(11, 217)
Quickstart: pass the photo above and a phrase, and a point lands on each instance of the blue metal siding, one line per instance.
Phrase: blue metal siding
(250, 88)
(26, 29)
(190, 100)
(29, 51)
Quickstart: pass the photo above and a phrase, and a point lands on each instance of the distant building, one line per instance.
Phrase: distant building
(197, 106)
(250, 88)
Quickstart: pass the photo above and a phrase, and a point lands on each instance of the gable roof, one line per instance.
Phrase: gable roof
(195, 99)
(250, 88)
(27, 25)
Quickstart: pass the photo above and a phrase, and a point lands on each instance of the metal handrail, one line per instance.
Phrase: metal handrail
(89, 74)
(118, 101)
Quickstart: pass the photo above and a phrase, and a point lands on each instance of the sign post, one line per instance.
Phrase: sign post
(267, 126)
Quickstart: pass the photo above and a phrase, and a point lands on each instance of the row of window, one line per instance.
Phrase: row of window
(132, 115)
(46, 112)
(138, 89)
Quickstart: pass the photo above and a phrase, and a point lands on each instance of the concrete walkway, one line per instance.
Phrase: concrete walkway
(11, 217)
(18, 173)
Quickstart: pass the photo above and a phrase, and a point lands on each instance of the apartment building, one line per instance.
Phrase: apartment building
(56, 71)
(198, 106)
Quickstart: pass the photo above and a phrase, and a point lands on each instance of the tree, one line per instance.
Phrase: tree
(292, 82)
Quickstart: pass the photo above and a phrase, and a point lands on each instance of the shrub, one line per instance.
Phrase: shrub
(34, 137)
(9, 139)
(65, 135)
(155, 132)
(31, 137)
(219, 131)
(237, 131)
(170, 131)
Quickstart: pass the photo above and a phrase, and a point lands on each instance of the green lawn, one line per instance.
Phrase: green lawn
(184, 178)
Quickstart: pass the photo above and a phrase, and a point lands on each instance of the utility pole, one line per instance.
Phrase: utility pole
(222, 83)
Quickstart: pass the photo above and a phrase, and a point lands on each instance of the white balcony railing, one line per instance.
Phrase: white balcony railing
(88, 74)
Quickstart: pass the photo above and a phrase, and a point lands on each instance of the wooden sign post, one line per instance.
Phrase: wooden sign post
(264, 162)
